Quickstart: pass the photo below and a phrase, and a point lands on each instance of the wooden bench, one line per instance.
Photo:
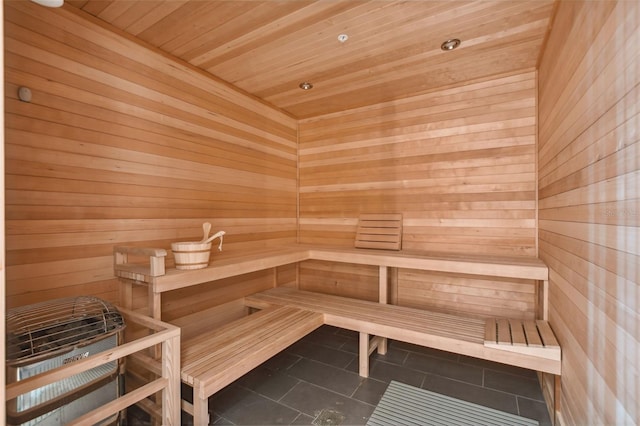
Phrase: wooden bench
(229, 264)
(207, 373)
(212, 360)
(461, 335)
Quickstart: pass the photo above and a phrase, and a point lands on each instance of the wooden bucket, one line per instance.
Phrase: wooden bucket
(191, 255)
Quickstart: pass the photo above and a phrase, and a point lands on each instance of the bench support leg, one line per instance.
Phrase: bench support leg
(542, 300)
(366, 348)
(382, 346)
(383, 297)
(364, 355)
(200, 409)
(556, 399)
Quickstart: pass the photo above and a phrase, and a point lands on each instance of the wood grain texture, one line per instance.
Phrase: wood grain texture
(459, 164)
(470, 295)
(3, 265)
(122, 144)
(268, 48)
(589, 171)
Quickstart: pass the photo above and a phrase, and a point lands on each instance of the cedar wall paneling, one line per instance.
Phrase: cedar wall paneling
(458, 163)
(589, 206)
(2, 236)
(123, 145)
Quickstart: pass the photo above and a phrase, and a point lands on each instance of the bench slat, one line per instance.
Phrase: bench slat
(490, 331)
(531, 333)
(548, 338)
(517, 333)
(504, 332)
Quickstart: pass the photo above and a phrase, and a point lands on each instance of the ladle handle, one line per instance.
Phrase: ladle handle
(206, 228)
(219, 234)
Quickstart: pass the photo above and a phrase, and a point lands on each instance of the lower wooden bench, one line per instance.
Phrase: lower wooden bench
(212, 360)
(526, 344)
(461, 335)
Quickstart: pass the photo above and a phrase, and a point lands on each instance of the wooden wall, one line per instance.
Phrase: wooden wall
(2, 235)
(589, 172)
(123, 145)
(458, 163)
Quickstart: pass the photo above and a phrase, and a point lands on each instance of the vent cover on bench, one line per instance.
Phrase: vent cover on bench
(379, 231)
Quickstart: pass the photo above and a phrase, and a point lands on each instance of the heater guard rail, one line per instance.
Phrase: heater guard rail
(165, 335)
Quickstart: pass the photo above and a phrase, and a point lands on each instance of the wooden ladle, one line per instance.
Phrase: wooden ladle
(206, 228)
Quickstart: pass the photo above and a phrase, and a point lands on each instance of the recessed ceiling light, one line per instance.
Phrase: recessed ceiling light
(450, 44)
(306, 85)
(49, 3)
(343, 37)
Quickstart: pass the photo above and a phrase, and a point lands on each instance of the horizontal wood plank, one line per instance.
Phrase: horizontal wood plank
(125, 145)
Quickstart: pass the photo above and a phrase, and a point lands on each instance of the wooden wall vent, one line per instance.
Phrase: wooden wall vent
(379, 231)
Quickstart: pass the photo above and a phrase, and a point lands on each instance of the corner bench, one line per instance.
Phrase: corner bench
(452, 333)
(214, 359)
(527, 344)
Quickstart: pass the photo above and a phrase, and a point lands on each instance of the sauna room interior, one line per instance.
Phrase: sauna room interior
(131, 123)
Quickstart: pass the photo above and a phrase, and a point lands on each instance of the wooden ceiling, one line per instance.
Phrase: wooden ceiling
(267, 48)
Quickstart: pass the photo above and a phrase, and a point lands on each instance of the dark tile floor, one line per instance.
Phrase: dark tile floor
(316, 382)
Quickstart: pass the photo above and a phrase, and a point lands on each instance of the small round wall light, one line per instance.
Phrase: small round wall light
(24, 94)
(306, 85)
(450, 44)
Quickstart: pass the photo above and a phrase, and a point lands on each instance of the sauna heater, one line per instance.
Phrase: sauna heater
(47, 335)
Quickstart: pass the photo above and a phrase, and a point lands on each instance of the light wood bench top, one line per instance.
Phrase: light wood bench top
(228, 264)
(441, 331)
(212, 360)
(495, 266)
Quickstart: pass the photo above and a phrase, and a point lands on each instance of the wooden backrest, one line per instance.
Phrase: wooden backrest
(379, 231)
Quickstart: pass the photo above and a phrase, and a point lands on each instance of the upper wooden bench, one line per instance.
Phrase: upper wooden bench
(229, 263)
